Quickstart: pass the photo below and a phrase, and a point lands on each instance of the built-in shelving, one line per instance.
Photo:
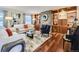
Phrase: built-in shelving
(60, 25)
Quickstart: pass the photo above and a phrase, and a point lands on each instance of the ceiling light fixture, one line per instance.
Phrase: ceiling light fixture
(62, 14)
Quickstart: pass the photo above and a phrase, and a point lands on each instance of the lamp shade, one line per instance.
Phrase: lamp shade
(62, 15)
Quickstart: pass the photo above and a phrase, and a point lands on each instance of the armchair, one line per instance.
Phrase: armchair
(45, 29)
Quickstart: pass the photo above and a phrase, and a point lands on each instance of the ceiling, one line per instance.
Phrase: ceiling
(31, 9)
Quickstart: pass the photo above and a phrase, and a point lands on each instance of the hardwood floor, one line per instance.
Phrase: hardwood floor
(58, 44)
(54, 44)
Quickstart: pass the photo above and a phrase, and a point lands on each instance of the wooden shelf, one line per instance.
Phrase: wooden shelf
(60, 25)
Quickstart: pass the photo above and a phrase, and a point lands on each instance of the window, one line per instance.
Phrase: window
(28, 20)
(1, 19)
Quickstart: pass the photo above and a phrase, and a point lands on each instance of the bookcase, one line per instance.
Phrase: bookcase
(61, 25)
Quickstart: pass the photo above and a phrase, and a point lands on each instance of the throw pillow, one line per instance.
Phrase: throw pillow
(9, 32)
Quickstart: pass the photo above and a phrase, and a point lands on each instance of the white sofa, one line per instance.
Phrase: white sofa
(20, 28)
(4, 38)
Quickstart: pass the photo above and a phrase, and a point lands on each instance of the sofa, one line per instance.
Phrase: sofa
(8, 40)
(23, 28)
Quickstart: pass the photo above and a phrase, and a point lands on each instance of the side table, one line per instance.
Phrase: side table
(66, 44)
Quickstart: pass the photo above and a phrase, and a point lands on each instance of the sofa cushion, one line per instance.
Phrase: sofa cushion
(9, 32)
